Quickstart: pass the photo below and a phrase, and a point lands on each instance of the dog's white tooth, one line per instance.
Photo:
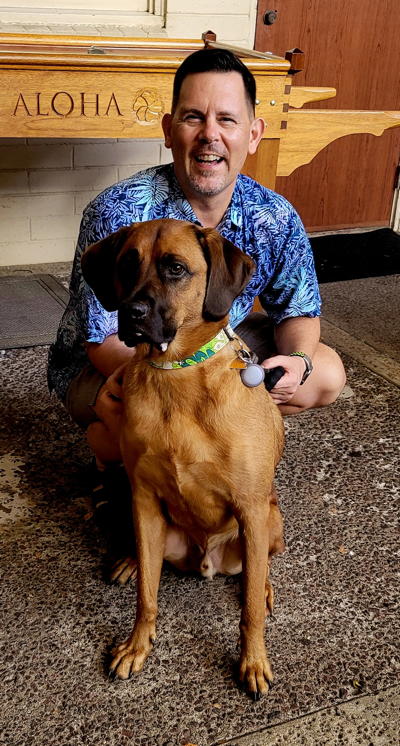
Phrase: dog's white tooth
(164, 346)
(139, 334)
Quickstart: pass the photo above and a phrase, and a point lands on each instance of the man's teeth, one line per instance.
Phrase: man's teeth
(208, 158)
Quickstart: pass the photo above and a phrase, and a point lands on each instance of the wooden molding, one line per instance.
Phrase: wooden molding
(310, 131)
(300, 95)
(262, 165)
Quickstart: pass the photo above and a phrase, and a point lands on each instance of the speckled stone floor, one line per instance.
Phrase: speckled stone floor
(333, 643)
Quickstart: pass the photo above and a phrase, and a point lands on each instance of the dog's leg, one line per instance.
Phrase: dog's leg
(255, 671)
(150, 532)
(276, 546)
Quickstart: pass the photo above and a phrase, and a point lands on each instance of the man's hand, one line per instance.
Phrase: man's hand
(111, 357)
(114, 382)
(109, 399)
(289, 383)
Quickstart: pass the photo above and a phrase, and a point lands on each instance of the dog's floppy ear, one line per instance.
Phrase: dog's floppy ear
(229, 270)
(98, 267)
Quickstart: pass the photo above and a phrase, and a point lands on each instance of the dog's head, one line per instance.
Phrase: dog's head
(162, 274)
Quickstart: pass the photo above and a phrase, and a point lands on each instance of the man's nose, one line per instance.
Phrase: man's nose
(210, 130)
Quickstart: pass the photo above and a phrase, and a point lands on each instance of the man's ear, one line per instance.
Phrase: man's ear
(98, 267)
(166, 125)
(229, 270)
(256, 133)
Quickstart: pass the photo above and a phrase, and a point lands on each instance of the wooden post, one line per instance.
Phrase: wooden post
(263, 164)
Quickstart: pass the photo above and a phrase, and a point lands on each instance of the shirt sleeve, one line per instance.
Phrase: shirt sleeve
(292, 287)
(95, 324)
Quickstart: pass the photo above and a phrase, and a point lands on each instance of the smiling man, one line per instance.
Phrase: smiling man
(211, 130)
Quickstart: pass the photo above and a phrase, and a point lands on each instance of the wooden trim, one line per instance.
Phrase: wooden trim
(138, 42)
(300, 95)
(311, 131)
(20, 51)
(89, 61)
(43, 61)
(251, 53)
(262, 165)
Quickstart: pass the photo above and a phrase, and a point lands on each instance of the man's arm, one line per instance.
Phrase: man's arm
(298, 334)
(109, 355)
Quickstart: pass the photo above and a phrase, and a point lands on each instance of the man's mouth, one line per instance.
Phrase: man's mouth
(208, 158)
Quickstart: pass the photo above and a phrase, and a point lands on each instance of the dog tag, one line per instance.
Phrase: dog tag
(252, 375)
(237, 364)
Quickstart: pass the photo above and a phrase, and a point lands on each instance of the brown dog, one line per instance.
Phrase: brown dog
(200, 448)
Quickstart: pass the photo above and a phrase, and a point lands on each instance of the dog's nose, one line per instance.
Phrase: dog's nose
(138, 310)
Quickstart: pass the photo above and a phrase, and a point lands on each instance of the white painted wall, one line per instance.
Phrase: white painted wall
(45, 184)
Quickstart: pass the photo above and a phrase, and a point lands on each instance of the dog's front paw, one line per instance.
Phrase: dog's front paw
(129, 657)
(255, 675)
(124, 571)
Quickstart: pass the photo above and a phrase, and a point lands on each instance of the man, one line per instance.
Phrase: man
(211, 129)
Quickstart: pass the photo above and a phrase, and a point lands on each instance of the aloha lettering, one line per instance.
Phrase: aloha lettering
(64, 104)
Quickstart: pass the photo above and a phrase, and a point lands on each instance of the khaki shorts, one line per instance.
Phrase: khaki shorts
(257, 331)
(82, 394)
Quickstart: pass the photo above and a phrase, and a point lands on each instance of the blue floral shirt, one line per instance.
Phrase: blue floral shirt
(260, 222)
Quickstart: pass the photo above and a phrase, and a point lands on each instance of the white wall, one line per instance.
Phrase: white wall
(45, 184)
(232, 20)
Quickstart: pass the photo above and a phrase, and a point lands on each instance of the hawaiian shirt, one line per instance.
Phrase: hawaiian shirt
(260, 222)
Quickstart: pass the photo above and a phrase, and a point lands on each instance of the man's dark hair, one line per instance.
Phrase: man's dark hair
(214, 60)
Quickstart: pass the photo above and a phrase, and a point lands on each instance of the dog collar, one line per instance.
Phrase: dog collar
(206, 351)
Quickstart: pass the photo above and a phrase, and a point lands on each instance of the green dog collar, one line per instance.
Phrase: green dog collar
(204, 353)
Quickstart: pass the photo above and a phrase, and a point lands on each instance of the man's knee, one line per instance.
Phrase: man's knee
(82, 395)
(331, 375)
(323, 386)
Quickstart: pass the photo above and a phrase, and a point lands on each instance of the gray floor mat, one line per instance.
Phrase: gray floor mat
(31, 307)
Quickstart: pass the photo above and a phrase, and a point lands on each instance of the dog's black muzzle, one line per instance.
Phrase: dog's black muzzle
(136, 311)
(142, 321)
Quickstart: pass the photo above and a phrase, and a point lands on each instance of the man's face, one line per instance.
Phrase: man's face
(211, 132)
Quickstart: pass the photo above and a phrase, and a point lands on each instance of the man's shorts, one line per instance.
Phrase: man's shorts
(257, 331)
(82, 394)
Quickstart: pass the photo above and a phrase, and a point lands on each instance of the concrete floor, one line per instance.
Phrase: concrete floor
(334, 641)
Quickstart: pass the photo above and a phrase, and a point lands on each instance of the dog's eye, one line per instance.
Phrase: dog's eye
(172, 268)
(176, 269)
